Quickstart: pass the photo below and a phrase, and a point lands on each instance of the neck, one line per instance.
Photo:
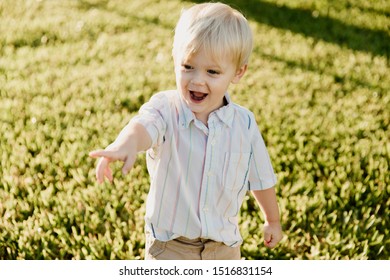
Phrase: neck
(203, 118)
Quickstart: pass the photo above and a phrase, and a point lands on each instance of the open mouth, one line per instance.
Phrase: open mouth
(197, 96)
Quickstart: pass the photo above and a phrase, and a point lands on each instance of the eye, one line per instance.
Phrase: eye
(213, 72)
(187, 67)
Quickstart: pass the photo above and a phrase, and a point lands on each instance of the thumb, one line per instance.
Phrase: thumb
(129, 162)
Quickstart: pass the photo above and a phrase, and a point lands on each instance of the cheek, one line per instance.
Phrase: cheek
(183, 78)
(181, 82)
(219, 88)
(217, 84)
(178, 75)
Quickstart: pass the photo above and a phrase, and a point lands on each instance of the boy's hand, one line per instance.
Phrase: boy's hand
(272, 234)
(132, 139)
(111, 154)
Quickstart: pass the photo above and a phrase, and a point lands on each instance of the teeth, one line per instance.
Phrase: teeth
(198, 96)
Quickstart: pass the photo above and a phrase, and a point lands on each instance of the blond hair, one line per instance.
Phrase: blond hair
(216, 28)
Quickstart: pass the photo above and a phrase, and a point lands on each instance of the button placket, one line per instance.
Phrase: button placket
(208, 176)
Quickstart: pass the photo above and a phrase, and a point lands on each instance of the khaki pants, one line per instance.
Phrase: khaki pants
(189, 249)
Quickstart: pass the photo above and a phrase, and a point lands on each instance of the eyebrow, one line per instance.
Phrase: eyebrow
(211, 66)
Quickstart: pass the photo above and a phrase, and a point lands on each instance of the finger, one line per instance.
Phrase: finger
(270, 244)
(275, 238)
(267, 237)
(108, 174)
(101, 169)
(128, 164)
(103, 153)
(269, 240)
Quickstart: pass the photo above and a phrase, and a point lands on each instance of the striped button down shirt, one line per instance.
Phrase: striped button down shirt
(200, 174)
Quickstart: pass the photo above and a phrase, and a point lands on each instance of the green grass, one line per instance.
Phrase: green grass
(72, 74)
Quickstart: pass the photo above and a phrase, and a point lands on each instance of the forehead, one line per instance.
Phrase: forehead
(206, 57)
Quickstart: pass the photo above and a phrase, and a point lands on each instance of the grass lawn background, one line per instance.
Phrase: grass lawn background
(73, 73)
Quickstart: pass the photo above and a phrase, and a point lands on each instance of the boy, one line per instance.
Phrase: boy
(203, 151)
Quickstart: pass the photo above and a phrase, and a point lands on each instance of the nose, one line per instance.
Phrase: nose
(198, 80)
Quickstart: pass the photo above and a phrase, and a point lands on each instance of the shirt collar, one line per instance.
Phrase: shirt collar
(226, 113)
(186, 116)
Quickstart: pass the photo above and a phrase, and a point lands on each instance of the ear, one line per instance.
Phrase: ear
(239, 73)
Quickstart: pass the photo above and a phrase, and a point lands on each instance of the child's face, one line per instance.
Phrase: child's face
(203, 82)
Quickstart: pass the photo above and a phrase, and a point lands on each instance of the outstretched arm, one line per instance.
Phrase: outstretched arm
(269, 206)
(132, 139)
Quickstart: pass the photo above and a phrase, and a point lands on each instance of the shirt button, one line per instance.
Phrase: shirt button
(205, 209)
(213, 143)
(209, 173)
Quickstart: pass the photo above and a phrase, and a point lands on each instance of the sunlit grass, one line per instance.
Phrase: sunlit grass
(73, 73)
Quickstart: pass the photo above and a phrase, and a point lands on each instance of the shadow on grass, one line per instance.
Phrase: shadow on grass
(306, 22)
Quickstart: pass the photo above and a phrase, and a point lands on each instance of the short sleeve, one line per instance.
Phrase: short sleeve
(261, 173)
(152, 116)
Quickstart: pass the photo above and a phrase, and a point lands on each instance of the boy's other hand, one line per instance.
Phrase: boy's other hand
(110, 155)
(272, 234)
